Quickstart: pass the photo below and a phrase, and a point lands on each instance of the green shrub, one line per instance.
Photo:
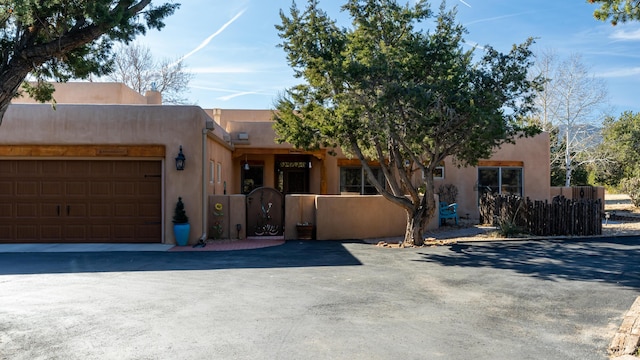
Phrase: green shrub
(179, 215)
(508, 228)
(631, 187)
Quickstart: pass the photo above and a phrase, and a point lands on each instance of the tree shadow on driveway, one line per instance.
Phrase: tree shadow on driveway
(610, 260)
(291, 254)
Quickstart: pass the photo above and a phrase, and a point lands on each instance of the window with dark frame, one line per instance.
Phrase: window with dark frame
(353, 179)
(500, 180)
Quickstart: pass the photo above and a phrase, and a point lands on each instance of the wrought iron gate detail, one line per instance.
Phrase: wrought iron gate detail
(265, 212)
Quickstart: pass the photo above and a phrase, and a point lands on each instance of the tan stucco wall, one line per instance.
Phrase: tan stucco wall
(170, 126)
(533, 152)
(219, 154)
(298, 209)
(95, 93)
(358, 217)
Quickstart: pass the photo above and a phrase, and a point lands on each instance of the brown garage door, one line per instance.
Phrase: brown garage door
(80, 201)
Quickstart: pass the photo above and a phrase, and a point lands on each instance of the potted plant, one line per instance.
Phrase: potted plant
(305, 231)
(181, 225)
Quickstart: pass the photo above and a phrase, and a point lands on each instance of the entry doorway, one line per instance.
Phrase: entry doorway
(252, 177)
(292, 174)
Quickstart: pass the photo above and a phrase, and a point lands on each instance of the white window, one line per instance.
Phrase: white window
(438, 172)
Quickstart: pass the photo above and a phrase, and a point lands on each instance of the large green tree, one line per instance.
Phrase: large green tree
(385, 90)
(617, 10)
(63, 39)
(621, 145)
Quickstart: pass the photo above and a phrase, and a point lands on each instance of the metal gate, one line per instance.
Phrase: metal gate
(265, 212)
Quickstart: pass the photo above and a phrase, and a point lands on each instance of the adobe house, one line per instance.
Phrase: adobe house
(101, 168)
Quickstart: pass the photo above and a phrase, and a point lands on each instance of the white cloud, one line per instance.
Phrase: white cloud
(221, 70)
(243, 93)
(473, 44)
(622, 72)
(626, 35)
(497, 18)
(233, 93)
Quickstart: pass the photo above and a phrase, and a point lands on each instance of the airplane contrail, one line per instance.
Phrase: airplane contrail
(208, 40)
(498, 17)
(464, 2)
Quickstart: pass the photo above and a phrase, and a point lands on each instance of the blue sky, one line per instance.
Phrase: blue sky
(230, 46)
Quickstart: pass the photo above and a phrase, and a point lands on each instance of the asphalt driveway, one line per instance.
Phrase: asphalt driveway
(321, 300)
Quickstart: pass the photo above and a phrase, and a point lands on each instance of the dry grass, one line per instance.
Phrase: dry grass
(620, 205)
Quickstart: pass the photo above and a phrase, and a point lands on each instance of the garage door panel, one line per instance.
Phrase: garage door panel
(124, 232)
(75, 169)
(27, 188)
(148, 232)
(149, 210)
(51, 188)
(150, 167)
(28, 232)
(125, 169)
(125, 210)
(6, 232)
(52, 168)
(27, 168)
(123, 188)
(51, 232)
(8, 167)
(100, 210)
(99, 169)
(149, 188)
(76, 210)
(80, 201)
(27, 210)
(6, 210)
(50, 210)
(75, 232)
(6, 187)
(100, 188)
(100, 232)
(76, 188)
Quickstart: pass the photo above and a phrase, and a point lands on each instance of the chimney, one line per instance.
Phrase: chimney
(154, 97)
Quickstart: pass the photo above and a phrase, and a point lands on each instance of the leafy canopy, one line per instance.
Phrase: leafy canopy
(621, 145)
(64, 39)
(385, 89)
(617, 10)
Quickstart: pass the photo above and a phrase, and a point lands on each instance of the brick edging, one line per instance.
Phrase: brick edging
(627, 338)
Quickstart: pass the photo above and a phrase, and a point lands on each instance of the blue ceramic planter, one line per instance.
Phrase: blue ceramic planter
(181, 232)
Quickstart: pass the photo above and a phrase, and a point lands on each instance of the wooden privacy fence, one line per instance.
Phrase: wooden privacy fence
(560, 217)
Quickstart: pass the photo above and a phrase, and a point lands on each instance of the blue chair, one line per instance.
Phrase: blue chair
(448, 211)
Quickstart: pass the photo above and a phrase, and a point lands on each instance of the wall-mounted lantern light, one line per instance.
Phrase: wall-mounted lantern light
(180, 159)
(246, 164)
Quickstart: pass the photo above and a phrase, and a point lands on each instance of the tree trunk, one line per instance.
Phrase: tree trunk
(567, 162)
(10, 81)
(419, 216)
(415, 226)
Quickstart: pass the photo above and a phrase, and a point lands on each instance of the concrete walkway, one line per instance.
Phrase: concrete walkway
(224, 245)
(54, 248)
